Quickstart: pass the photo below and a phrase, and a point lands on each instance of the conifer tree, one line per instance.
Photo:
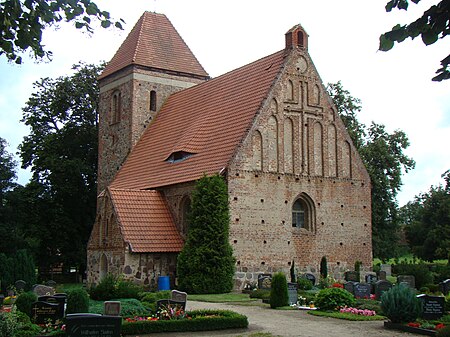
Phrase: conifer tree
(206, 263)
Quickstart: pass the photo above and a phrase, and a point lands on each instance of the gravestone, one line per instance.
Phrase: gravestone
(380, 287)
(387, 268)
(264, 281)
(43, 290)
(371, 278)
(381, 275)
(111, 308)
(178, 296)
(432, 306)
(408, 280)
(42, 312)
(310, 277)
(292, 292)
(352, 276)
(83, 325)
(51, 283)
(444, 287)
(362, 290)
(20, 285)
(350, 287)
(59, 300)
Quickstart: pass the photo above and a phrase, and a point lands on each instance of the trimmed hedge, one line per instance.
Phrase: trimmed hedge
(201, 320)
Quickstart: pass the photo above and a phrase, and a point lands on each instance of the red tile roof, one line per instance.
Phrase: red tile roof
(155, 43)
(145, 221)
(209, 120)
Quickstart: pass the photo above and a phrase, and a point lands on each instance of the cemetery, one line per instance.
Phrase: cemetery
(117, 307)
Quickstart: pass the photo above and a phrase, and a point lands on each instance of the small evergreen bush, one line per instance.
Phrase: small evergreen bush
(400, 304)
(25, 301)
(279, 291)
(105, 290)
(334, 298)
(127, 289)
(77, 301)
(304, 284)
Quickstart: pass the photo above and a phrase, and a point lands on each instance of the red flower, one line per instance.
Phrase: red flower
(414, 324)
(439, 326)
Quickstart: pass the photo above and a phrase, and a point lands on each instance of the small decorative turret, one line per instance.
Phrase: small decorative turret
(296, 37)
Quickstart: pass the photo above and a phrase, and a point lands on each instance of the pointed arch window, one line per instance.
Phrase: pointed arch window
(303, 213)
(185, 211)
(116, 107)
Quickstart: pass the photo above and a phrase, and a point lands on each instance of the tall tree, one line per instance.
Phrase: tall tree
(433, 25)
(61, 151)
(427, 222)
(384, 158)
(22, 23)
(206, 263)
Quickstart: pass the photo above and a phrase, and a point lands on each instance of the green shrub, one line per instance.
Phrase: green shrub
(279, 291)
(262, 294)
(127, 289)
(201, 320)
(131, 307)
(17, 324)
(444, 332)
(441, 272)
(149, 299)
(25, 301)
(304, 284)
(105, 290)
(77, 301)
(334, 298)
(420, 271)
(447, 302)
(400, 304)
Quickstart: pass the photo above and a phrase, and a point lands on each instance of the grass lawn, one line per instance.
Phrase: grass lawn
(346, 315)
(221, 298)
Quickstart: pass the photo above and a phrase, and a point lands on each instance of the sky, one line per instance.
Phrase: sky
(395, 87)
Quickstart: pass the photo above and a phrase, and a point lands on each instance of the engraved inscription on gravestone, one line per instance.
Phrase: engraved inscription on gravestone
(82, 325)
(362, 290)
(432, 306)
(292, 292)
(409, 280)
(380, 287)
(42, 312)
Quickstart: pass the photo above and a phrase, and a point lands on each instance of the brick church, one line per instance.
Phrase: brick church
(297, 187)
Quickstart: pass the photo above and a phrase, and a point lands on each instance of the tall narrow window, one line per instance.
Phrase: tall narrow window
(153, 100)
(300, 39)
(185, 210)
(298, 214)
(116, 107)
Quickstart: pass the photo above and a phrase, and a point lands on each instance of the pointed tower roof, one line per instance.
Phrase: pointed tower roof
(155, 43)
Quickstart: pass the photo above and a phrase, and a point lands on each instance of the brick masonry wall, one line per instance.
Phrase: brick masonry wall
(134, 85)
(298, 146)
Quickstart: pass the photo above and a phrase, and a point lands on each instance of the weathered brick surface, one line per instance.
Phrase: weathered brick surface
(297, 147)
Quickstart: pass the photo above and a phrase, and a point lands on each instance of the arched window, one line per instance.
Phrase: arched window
(303, 213)
(116, 107)
(153, 100)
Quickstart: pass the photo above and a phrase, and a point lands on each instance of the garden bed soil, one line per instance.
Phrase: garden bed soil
(407, 328)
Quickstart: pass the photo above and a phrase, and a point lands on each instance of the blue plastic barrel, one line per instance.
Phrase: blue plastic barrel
(163, 283)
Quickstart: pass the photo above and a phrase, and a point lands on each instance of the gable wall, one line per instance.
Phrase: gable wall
(298, 145)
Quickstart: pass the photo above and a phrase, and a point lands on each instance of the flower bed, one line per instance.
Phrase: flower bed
(414, 327)
(198, 320)
(355, 311)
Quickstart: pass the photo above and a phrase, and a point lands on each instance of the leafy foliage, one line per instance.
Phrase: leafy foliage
(433, 25)
(279, 291)
(17, 266)
(400, 304)
(24, 302)
(385, 161)
(427, 220)
(304, 284)
(334, 298)
(77, 301)
(323, 267)
(22, 23)
(111, 287)
(206, 263)
(61, 151)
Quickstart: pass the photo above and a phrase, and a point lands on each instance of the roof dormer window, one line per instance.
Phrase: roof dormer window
(178, 156)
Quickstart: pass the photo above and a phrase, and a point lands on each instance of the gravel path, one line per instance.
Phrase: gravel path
(289, 323)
